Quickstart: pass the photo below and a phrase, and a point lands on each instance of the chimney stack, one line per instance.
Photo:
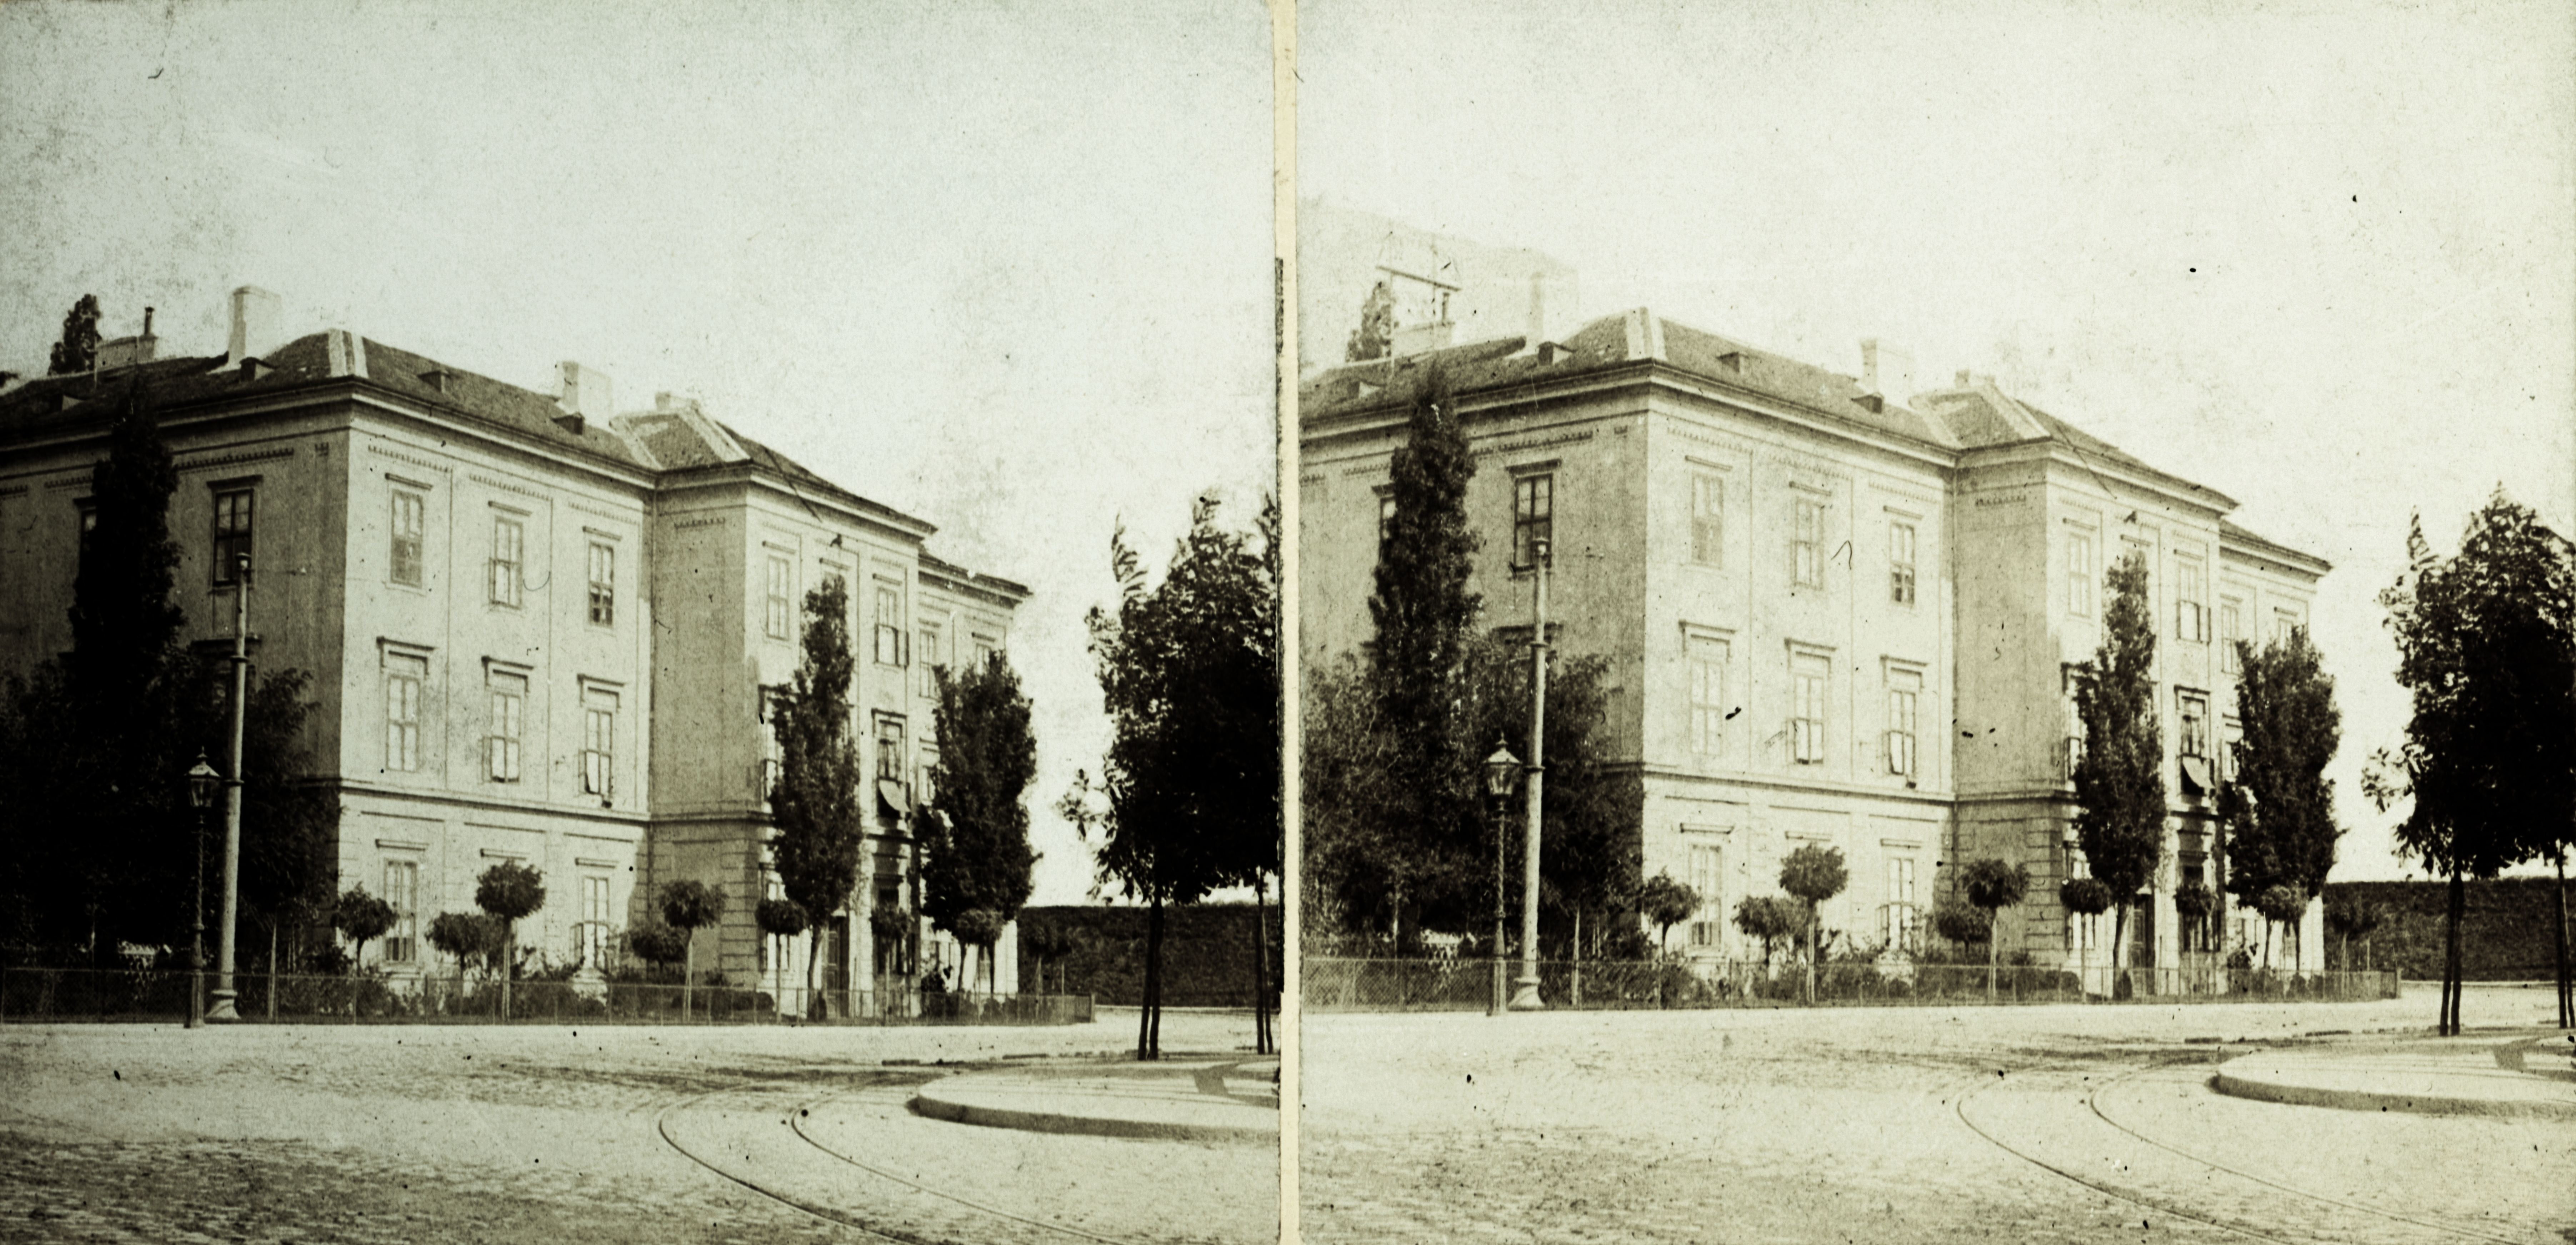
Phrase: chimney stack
(255, 320)
(586, 395)
(1887, 371)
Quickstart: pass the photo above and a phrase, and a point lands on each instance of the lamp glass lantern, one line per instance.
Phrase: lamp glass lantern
(203, 783)
(1502, 772)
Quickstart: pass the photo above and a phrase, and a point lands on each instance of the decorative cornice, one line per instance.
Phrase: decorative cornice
(1537, 442)
(429, 464)
(507, 487)
(238, 457)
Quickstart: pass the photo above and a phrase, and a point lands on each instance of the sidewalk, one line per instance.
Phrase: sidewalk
(1185, 1098)
(2531, 1076)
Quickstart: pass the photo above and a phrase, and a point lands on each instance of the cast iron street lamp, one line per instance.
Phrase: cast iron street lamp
(202, 783)
(1502, 770)
(223, 1008)
(1525, 991)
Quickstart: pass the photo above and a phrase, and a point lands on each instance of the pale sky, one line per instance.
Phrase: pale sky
(2319, 256)
(1005, 267)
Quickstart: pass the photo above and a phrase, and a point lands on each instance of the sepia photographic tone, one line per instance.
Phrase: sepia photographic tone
(638, 625)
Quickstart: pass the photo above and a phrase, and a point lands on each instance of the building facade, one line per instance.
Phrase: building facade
(1838, 609)
(539, 630)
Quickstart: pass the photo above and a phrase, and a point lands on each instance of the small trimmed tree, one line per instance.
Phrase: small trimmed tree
(690, 906)
(361, 918)
(510, 892)
(1814, 874)
(1993, 886)
(782, 920)
(2280, 904)
(1046, 941)
(2087, 898)
(464, 934)
(979, 928)
(2349, 918)
(817, 806)
(1666, 903)
(1770, 920)
(656, 943)
(1961, 922)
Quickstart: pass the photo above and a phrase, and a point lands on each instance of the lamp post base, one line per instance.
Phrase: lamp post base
(222, 1009)
(1525, 996)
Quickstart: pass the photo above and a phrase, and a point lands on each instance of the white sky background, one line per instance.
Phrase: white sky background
(2320, 257)
(1003, 267)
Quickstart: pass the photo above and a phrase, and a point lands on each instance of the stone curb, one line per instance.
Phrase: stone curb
(2278, 1086)
(930, 1103)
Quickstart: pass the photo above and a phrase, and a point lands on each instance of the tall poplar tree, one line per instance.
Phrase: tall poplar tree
(817, 808)
(2119, 781)
(1423, 615)
(976, 855)
(2282, 829)
(2486, 643)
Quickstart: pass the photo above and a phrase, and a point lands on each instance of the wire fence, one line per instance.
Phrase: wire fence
(151, 995)
(1334, 983)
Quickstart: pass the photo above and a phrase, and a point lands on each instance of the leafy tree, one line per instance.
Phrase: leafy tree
(1666, 903)
(361, 918)
(1961, 922)
(509, 891)
(2280, 904)
(2119, 781)
(2486, 643)
(817, 809)
(1993, 886)
(1589, 809)
(782, 920)
(1423, 613)
(1376, 334)
(463, 935)
(655, 942)
(78, 349)
(290, 843)
(2350, 918)
(2193, 904)
(2087, 898)
(690, 906)
(1043, 941)
(1814, 874)
(1193, 706)
(2282, 830)
(975, 854)
(1770, 920)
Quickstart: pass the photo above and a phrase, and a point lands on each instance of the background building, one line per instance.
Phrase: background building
(1838, 609)
(539, 630)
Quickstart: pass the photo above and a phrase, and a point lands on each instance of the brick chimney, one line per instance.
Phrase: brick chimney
(587, 394)
(1887, 371)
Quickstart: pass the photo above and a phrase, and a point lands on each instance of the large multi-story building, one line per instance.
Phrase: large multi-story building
(539, 630)
(1838, 610)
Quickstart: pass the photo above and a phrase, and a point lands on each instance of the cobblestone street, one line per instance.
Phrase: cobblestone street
(468, 1134)
(2007, 1124)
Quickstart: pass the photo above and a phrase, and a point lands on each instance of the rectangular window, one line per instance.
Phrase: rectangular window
(2231, 628)
(402, 890)
(404, 675)
(2283, 623)
(2191, 617)
(598, 742)
(923, 790)
(1904, 692)
(1708, 878)
(1708, 520)
(603, 583)
(1707, 693)
(928, 637)
(509, 553)
(2194, 736)
(1901, 915)
(2079, 573)
(1807, 676)
(409, 509)
(509, 695)
(1900, 563)
(1533, 517)
(595, 925)
(776, 619)
(986, 648)
(1385, 521)
(1807, 549)
(889, 628)
(890, 748)
(233, 508)
(88, 530)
